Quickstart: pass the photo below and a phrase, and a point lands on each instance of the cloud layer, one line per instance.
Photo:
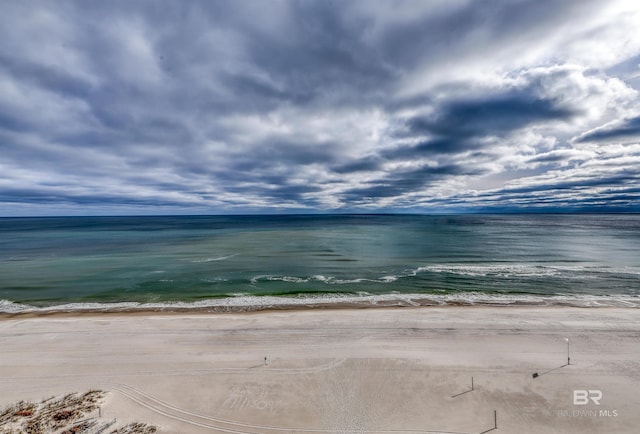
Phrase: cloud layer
(316, 106)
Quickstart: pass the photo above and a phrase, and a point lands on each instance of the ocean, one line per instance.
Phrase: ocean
(116, 263)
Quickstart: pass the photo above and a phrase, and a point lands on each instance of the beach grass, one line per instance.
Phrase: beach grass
(70, 414)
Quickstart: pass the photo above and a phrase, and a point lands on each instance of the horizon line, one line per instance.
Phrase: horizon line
(320, 214)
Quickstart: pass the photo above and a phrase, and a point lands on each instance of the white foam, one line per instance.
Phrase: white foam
(389, 279)
(214, 280)
(219, 258)
(242, 302)
(328, 280)
(7, 306)
(525, 270)
(272, 278)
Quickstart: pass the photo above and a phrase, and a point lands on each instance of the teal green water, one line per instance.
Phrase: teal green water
(52, 261)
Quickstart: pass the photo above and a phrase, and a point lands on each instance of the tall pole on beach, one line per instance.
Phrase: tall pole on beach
(568, 345)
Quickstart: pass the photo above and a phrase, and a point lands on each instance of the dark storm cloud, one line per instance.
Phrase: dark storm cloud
(286, 193)
(628, 129)
(493, 115)
(221, 105)
(401, 182)
(615, 180)
(457, 126)
(283, 151)
(49, 77)
(11, 122)
(364, 164)
(460, 125)
(616, 185)
(553, 157)
(40, 196)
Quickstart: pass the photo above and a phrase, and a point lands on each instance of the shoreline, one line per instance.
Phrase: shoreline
(247, 303)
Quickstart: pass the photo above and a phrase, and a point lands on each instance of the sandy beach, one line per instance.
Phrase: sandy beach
(386, 370)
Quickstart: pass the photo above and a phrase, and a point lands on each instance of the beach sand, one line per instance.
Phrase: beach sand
(338, 370)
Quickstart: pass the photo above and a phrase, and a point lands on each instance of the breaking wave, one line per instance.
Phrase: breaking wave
(243, 302)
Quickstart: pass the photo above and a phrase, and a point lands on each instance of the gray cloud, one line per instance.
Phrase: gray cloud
(402, 182)
(627, 129)
(459, 125)
(217, 106)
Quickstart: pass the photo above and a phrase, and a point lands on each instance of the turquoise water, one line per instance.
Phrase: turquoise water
(54, 261)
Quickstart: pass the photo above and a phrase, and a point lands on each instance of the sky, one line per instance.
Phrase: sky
(269, 106)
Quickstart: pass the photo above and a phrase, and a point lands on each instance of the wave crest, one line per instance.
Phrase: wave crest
(242, 302)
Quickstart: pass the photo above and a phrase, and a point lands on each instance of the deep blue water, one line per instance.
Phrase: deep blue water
(51, 261)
